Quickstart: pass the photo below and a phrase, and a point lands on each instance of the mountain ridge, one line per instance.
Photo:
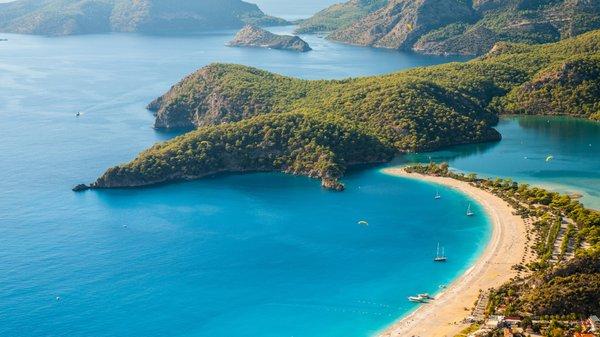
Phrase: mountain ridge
(70, 17)
(465, 27)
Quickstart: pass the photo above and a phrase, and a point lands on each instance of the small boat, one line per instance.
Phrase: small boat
(417, 299)
(440, 257)
(363, 223)
(78, 114)
(443, 286)
(469, 211)
(425, 296)
(437, 195)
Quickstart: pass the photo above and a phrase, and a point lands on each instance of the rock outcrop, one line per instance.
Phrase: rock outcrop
(253, 36)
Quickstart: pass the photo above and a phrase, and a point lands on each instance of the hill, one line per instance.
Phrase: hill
(270, 122)
(468, 27)
(339, 16)
(68, 17)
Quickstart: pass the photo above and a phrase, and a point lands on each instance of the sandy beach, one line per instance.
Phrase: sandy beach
(442, 317)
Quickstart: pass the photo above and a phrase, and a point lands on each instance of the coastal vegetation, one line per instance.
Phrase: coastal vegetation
(454, 26)
(562, 284)
(68, 17)
(416, 110)
(253, 36)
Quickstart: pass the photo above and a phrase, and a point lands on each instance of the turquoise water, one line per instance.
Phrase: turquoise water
(521, 155)
(256, 255)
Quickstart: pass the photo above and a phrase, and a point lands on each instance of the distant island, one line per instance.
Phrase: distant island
(252, 120)
(253, 36)
(453, 27)
(69, 17)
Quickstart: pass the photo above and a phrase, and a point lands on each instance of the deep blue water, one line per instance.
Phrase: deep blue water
(256, 255)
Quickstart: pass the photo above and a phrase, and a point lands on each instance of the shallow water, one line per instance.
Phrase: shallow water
(521, 155)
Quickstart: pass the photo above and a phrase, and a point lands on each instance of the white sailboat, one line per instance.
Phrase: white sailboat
(437, 195)
(469, 211)
(440, 257)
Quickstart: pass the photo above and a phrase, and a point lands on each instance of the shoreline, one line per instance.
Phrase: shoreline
(443, 316)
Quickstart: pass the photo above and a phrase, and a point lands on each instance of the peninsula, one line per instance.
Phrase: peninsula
(69, 17)
(252, 120)
(253, 36)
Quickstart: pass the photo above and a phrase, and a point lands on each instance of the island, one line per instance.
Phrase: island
(539, 272)
(249, 120)
(451, 27)
(69, 17)
(253, 36)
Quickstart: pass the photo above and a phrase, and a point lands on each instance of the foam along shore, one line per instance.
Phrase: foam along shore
(444, 316)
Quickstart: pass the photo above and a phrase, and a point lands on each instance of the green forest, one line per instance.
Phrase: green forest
(416, 110)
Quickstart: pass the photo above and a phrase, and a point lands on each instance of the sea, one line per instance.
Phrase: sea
(263, 254)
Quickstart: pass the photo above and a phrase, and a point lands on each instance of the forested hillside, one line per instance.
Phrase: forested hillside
(415, 110)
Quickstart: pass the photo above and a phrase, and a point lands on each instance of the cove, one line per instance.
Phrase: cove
(253, 255)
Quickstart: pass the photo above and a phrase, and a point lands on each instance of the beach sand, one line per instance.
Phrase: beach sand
(443, 316)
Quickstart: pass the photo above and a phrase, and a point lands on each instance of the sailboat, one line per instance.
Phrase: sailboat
(437, 195)
(440, 257)
(469, 211)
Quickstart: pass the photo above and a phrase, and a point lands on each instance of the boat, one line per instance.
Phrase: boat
(440, 257)
(417, 299)
(78, 114)
(426, 296)
(469, 211)
(437, 195)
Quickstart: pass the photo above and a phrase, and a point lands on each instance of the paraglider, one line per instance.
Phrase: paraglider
(363, 223)
(549, 158)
